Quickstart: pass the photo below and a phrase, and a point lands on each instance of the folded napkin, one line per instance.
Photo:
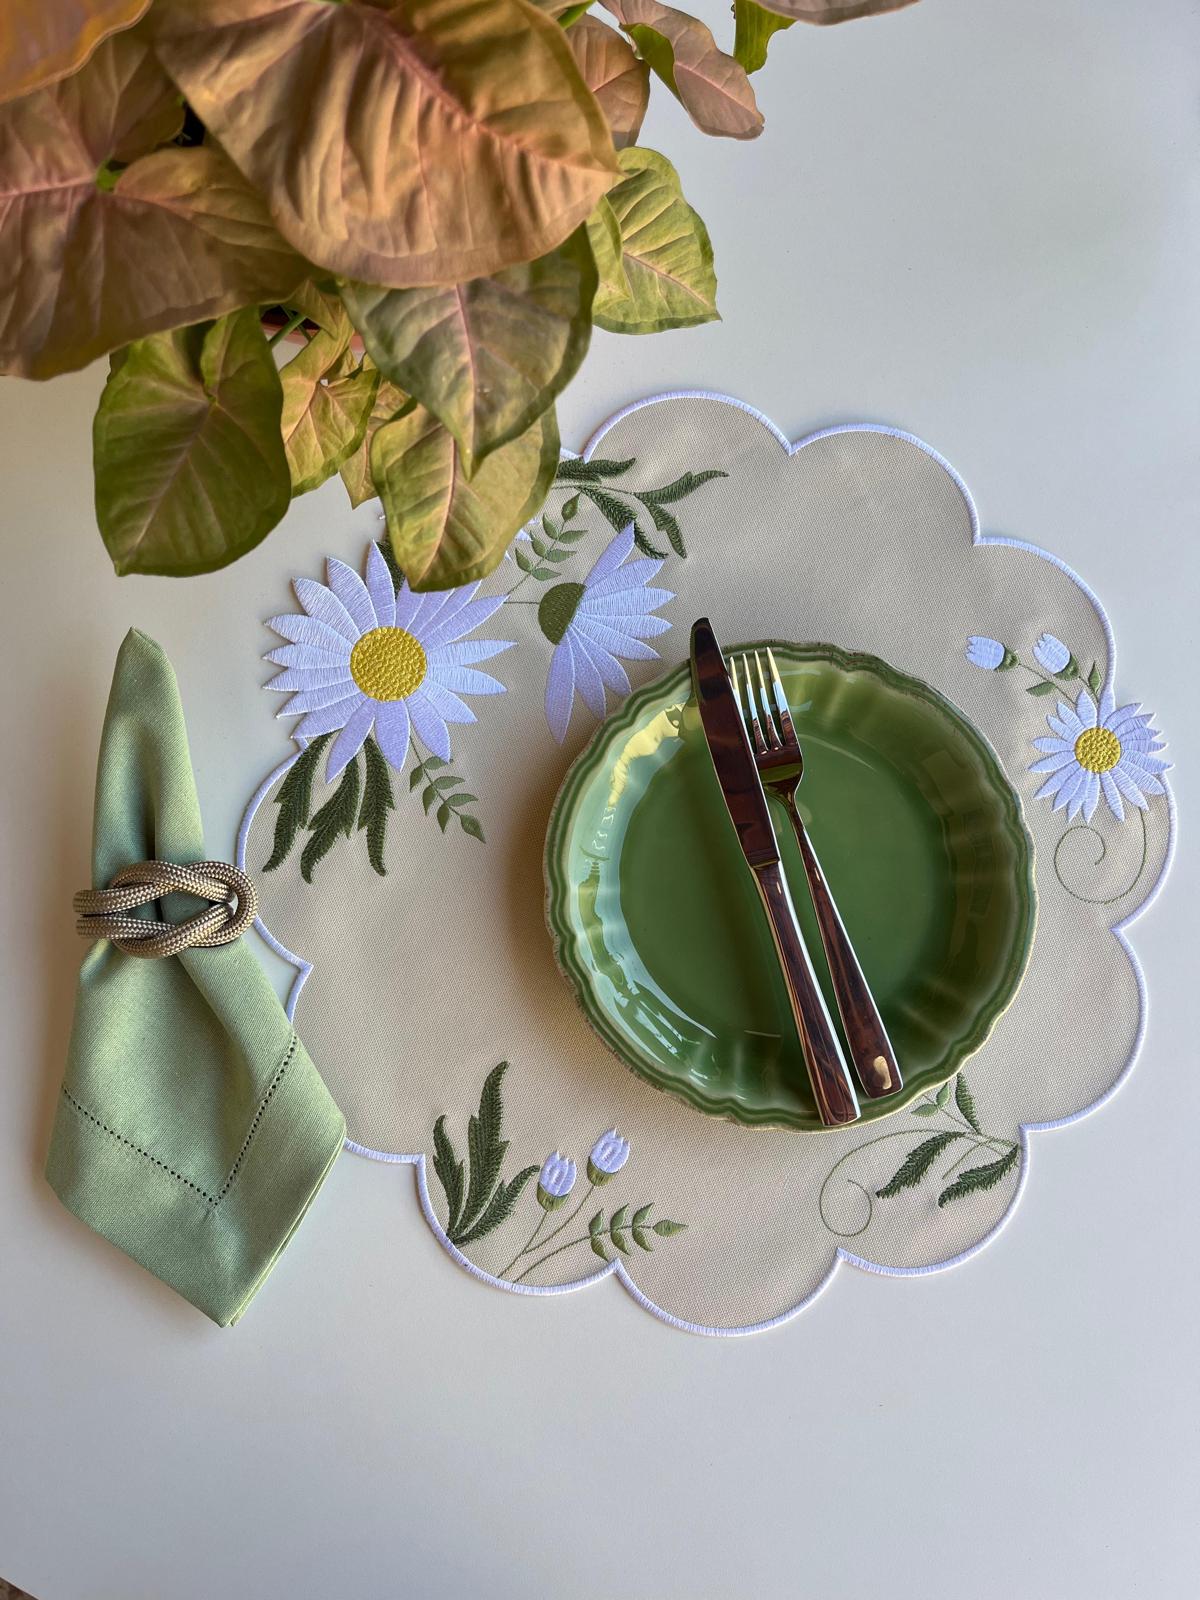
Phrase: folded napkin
(193, 1130)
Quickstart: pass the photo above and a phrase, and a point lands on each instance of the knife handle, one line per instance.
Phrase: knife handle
(837, 1103)
(870, 1048)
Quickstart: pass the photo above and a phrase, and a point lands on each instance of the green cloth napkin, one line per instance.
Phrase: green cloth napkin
(193, 1130)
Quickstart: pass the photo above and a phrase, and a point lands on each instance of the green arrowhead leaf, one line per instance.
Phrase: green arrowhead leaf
(190, 466)
(489, 356)
(325, 412)
(604, 237)
(753, 28)
(666, 254)
(446, 528)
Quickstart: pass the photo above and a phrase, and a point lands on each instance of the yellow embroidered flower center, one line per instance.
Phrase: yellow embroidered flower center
(1097, 750)
(388, 663)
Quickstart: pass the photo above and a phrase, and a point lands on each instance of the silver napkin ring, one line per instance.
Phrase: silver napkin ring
(105, 913)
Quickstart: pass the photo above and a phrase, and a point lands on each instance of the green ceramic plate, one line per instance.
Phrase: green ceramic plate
(658, 926)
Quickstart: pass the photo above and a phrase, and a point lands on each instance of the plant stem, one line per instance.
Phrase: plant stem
(570, 1245)
(526, 1248)
(294, 321)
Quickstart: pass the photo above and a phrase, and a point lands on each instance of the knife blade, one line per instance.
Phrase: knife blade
(746, 802)
(729, 747)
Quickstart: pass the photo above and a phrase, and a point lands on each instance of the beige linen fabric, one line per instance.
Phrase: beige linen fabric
(422, 981)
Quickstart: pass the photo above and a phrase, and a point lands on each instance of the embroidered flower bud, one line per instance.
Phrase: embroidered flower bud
(989, 654)
(1053, 654)
(609, 1154)
(555, 1181)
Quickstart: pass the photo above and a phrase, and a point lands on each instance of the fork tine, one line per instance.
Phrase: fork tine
(781, 705)
(768, 716)
(750, 709)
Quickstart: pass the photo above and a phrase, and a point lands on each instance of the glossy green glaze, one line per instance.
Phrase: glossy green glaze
(658, 926)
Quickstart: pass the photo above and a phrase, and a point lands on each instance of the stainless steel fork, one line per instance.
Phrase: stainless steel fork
(780, 763)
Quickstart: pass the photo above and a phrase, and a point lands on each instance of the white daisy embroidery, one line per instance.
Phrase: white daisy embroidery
(1095, 750)
(364, 657)
(596, 624)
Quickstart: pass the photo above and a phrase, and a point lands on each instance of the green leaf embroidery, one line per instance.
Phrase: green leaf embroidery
(377, 801)
(616, 1229)
(917, 1163)
(943, 1096)
(571, 509)
(975, 1179)
(472, 825)
(443, 816)
(666, 523)
(485, 1148)
(680, 488)
(965, 1101)
(427, 799)
(1094, 680)
(499, 1207)
(336, 816)
(576, 470)
(449, 1170)
(666, 1228)
(640, 1215)
(596, 1235)
(1042, 688)
(924, 1110)
(295, 800)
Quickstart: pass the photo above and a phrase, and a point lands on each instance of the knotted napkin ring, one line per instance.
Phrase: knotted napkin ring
(106, 913)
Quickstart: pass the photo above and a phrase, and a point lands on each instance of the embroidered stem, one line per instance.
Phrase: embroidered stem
(566, 1222)
(1091, 900)
(527, 1247)
(570, 1245)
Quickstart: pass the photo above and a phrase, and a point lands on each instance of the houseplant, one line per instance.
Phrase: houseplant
(432, 202)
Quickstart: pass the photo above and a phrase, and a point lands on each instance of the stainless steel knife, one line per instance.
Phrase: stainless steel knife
(746, 802)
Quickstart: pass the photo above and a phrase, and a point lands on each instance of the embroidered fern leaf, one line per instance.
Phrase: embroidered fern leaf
(917, 1163)
(666, 523)
(499, 1207)
(576, 470)
(975, 1179)
(295, 800)
(965, 1101)
(680, 489)
(618, 515)
(336, 816)
(377, 801)
(485, 1148)
(616, 1230)
(449, 1170)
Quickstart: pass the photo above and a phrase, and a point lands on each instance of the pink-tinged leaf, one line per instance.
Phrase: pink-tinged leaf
(712, 87)
(422, 143)
(825, 12)
(190, 466)
(95, 253)
(614, 74)
(42, 41)
(447, 529)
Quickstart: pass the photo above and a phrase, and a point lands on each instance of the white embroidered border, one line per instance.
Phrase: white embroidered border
(615, 1268)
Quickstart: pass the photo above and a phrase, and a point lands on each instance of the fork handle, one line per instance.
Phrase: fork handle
(870, 1048)
(834, 1093)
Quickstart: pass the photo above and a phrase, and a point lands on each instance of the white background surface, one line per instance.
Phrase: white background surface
(977, 221)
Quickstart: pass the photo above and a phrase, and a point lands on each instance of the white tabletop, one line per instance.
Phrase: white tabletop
(979, 222)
